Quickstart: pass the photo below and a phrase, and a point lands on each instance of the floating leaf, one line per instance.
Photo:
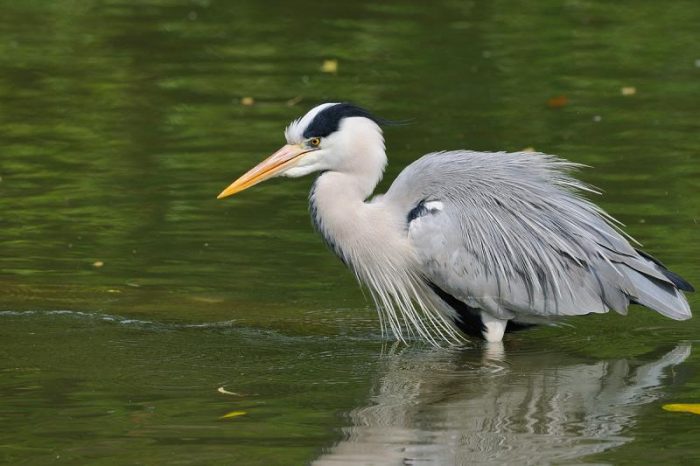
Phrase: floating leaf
(98, 264)
(206, 299)
(293, 101)
(329, 66)
(528, 149)
(683, 407)
(557, 102)
(247, 101)
(628, 90)
(233, 414)
(223, 391)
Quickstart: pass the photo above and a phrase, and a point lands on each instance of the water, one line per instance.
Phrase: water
(129, 296)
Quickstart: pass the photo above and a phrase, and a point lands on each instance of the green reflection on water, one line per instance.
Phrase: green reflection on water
(121, 121)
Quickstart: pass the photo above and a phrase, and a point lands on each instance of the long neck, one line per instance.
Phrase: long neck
(340, 213)
(337, 201)
(371, 238)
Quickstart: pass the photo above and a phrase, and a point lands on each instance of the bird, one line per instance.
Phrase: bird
(465, 245)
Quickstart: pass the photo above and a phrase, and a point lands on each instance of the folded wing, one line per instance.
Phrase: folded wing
(510, 233)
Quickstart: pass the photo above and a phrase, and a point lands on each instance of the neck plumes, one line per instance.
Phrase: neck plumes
(337, 200)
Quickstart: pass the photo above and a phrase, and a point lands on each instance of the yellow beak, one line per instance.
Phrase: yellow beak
(271, 166)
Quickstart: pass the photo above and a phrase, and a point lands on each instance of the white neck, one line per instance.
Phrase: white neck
(358, 153)
(349, 225)
(337, 199)
(371, 238)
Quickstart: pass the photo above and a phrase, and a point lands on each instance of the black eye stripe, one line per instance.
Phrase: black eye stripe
(327, 121)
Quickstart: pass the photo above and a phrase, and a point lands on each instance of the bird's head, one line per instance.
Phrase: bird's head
(331, 136)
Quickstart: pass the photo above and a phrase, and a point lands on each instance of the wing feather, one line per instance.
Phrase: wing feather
(516, 238)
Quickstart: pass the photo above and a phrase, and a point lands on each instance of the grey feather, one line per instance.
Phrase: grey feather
(517, 239)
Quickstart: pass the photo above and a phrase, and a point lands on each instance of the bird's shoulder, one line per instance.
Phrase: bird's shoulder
(477, 178)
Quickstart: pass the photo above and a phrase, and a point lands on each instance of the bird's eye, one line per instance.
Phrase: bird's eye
(314, 142)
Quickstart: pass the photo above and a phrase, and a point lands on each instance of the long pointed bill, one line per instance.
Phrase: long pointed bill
(271, 166)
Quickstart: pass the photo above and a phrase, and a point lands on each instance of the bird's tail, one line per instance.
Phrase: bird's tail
(664, 296)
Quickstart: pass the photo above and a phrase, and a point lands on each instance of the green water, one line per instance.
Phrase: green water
(121, 121)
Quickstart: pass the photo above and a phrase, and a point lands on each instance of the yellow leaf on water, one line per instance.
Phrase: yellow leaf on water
(98, 264)
(247, 101)
(683, 407)
(628, 90)
(206, 299)
(329, 66)
(233, 414)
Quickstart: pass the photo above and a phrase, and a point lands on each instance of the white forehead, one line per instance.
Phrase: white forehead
(295, 131)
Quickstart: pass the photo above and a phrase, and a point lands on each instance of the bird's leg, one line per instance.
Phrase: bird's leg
(493, 328)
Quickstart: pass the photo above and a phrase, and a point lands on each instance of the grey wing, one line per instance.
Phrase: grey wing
(510, 234)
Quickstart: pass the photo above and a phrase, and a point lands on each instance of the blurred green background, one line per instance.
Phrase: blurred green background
(128, 294)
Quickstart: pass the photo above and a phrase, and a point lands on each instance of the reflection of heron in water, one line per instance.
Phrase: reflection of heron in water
(441, 408)
(470, 240)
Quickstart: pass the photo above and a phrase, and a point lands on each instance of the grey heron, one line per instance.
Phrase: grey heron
(464, 242)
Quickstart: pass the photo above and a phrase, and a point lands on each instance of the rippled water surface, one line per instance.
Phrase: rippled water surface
(144, 322)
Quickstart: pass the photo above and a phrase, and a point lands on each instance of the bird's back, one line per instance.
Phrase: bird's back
(511, 234)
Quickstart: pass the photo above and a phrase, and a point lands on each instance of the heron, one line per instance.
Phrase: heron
(464, 243)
